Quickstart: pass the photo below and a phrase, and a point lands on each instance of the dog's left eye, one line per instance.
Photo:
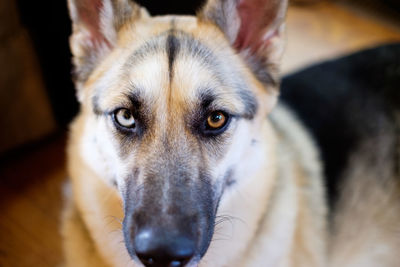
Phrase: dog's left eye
(124, 118)
(216, 123)
(216, 120)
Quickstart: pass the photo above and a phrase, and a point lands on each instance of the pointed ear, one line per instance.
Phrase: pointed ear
(95, 25)
(255, 29)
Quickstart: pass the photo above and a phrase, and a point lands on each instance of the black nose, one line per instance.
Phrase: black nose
(162, 248)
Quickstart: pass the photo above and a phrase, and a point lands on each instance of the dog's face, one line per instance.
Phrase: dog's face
(171, 106)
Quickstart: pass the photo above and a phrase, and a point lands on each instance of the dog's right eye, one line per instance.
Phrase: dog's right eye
(123, 117)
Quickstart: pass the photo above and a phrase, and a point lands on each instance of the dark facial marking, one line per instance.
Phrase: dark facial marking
(175, 41)
(198, 118)
(265, 73)
(139, 114)
(229, 178)
(130, 139)
(96, 108)
(172, 47)
(250, 104)
(151, 47)
(200, 51)
(206, 98)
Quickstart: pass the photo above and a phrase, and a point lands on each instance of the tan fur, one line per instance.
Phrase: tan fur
(97, 209)
(276, 210)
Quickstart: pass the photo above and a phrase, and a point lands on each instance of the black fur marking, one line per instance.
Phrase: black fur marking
(130, 139)
(197, 120)
(229, 178)
(96, 108)
(264, 72)
(175, 41)
(151, 47)
(345, 103)
(200, 51)
(172, 50)
(206, 98)
(250, 104)
(138, 112)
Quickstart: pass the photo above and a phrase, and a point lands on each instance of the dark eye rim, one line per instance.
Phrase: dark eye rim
(120, 126)
(209, 131)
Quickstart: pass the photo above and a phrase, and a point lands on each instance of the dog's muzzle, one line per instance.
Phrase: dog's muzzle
(169, 228)
(169, 218)
(163, 240)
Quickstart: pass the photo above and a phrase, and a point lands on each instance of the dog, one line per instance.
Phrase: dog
(181, 156)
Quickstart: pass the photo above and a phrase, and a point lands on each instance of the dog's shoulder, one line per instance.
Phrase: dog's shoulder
(346, 104)
(355, 123)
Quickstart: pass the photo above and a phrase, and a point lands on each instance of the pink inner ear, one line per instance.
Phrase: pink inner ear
(89, 13)
(256, 18)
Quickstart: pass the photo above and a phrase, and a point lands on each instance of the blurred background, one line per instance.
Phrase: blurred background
(37, 99)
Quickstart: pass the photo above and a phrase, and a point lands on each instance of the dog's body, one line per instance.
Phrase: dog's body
(173, 139)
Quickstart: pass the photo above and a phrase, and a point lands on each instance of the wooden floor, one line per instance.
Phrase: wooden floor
(30, 204)
(31, 182)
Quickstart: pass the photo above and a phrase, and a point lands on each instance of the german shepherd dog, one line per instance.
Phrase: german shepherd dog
(180, 155)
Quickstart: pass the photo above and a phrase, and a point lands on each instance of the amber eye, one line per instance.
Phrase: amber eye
(124, 118)
(216, 120)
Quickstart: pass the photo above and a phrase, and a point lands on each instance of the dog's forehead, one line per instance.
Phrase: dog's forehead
(176, 58)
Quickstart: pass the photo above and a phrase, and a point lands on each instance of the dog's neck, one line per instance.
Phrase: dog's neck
(267, 217)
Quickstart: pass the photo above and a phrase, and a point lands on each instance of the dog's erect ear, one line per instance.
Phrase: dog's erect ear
(95, 24)
(255, 29)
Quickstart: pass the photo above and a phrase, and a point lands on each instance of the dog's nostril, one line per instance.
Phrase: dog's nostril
(150, 262)
(162, 260)
(160, 248)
